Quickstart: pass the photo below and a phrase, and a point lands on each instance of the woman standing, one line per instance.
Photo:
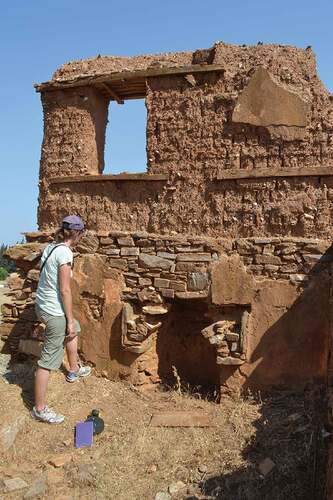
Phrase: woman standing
(54, 309)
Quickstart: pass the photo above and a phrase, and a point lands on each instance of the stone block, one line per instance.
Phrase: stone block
(161, 283)
(190, 266)
(197, 281)
(145, 281)
(106, 241)
(194, 257)
(289, 268)
(129, 251)
(144, 243)
(168, 293)
(125, 241)
(33, 275)
(191, 295)
(154, 262)
(232, 337)
(267, 259)
(9, 429)
(89, 243)
(178, 286)
(233, 346)
(229, 361)
(166, 255)
(14, 484)
(155, 310)
(118, 264)
(113, 252)
(245, 247)
(264, 102)
(231, 284)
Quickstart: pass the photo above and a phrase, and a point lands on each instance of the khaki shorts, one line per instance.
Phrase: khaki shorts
(54, 339)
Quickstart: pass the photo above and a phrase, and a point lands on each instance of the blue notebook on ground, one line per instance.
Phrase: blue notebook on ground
(83, 434)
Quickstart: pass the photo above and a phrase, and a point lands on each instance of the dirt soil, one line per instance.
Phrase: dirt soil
(132, 460)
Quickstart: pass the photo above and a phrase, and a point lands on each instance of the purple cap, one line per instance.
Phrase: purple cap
(73, 222)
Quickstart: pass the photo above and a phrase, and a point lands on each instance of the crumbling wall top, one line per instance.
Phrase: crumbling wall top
(292, 64)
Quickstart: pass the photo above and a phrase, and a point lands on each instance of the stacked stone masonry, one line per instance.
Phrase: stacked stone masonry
(157, 271)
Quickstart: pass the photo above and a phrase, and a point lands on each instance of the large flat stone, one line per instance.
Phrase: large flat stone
(231, 284)
(265, 102)
(181, 419)
(153, 262)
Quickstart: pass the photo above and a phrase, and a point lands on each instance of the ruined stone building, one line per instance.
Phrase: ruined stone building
(215, 261)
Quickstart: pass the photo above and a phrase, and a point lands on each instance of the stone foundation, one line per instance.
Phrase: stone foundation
(234, 313)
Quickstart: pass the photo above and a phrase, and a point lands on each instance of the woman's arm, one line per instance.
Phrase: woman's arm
(66, 296)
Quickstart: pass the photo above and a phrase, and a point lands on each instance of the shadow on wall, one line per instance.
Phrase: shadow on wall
(289, 337)
(182, 350)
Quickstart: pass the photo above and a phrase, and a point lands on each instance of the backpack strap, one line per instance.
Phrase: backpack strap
(49, 255)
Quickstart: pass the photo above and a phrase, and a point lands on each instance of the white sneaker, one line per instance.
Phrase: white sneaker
(83, 371)
(47, 415)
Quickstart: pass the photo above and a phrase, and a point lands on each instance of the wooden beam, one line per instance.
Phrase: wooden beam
(127, 75)
(280, 172)
(112, 93)
(107, 178)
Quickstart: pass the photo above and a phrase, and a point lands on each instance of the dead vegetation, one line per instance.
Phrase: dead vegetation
(132, 460)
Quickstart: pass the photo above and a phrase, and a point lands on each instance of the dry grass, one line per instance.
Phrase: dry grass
(132, 460)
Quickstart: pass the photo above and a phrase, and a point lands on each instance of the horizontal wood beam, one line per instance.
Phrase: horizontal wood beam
(281, 172)
(127, 75)
(108, 178)
(112, 93)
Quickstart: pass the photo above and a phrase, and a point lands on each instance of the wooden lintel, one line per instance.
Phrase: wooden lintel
(128, 75)
(112, 93)
(107, 178)
(281, 172)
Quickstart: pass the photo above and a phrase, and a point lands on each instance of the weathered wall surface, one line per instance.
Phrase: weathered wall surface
(133, 291)
(267, 110)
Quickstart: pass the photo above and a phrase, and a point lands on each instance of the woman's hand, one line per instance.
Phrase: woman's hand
(70, 330)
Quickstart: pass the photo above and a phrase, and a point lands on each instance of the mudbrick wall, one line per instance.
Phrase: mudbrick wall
(265, 113)
(208, 267)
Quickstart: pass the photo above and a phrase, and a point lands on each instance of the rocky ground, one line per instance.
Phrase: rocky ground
(259, 447)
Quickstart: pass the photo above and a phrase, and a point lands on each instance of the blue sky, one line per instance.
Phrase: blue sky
(38, 36)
